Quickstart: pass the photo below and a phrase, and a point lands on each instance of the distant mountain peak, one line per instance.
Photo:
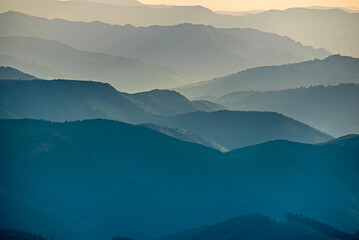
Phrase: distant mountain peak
(332, 70)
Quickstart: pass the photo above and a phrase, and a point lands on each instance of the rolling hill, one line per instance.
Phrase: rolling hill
(332, 70)
(10, 73)
(94, 174)
(259, 227)
(282, 159)
(97, 159)
(119, 177)
(7, 234)
(186, 136)
(65, 100)
(126, 74)
(234, 129)
(321, 107)
(196, 52)
(68, 100)
(208, 106)
(167, 102)
(251, 227)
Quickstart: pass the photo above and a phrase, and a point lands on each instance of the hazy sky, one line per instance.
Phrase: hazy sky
(244, 5)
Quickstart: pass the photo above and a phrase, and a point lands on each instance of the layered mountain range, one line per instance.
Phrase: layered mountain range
(128, 121)
(332, 70)
(102, 178)
(65, 100)
(332, 109)
(333, 29)
(321, 93)
(192, 52)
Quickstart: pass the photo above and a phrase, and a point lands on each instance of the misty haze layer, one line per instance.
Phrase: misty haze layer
(126, 121)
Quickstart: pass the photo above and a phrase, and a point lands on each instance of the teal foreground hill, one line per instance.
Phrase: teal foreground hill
(260, 227)
(249, 227)
(96, 179)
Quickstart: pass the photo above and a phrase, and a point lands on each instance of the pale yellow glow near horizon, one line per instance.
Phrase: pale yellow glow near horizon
(246, 5)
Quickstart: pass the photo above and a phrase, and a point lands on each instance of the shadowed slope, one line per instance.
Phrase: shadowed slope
(253, 227)
(332, 109)
(113, 176)
(234, 129)
(61, 100)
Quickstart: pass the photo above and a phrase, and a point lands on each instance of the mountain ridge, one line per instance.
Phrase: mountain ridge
(334, 69)
(186, 179)
(68, 100)
(258, 226)
(332, 29)
(195, 52)
(235, 129)
(10, 73)
(124, 73)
